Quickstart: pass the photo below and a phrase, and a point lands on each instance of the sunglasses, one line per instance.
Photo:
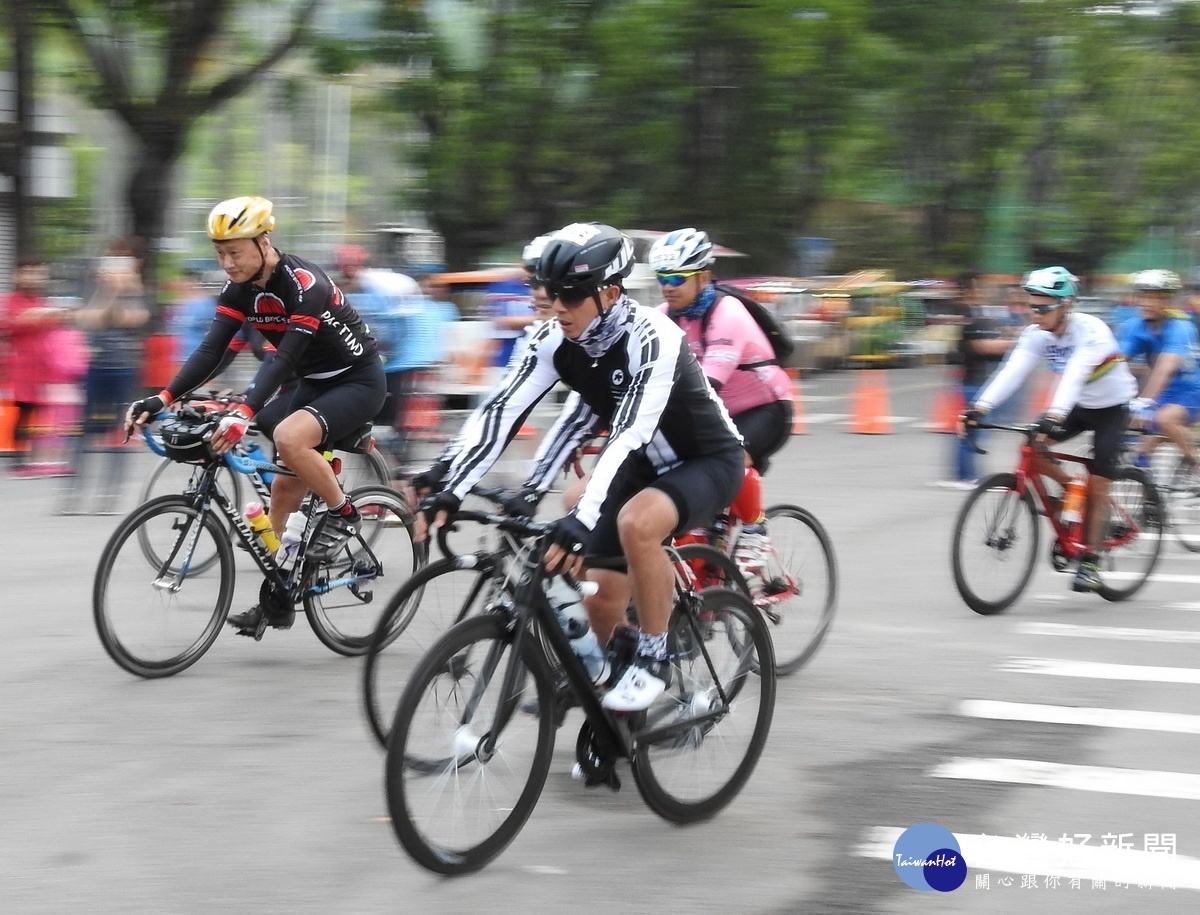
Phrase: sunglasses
(571, 296)
(1044, 309)
(675, 280)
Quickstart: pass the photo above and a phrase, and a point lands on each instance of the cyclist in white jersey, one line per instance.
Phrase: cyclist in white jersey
(1093, 394)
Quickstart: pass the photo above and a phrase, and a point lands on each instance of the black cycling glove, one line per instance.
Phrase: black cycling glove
(430, 480)
(523, 504)
(437, 502)
(1051, 427)
(152, 405)
(569, 533)
(971, 418)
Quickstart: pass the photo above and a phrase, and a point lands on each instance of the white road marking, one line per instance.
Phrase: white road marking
(1109, 632)
(1131, 719)
(1102, 779)
(1096, 670)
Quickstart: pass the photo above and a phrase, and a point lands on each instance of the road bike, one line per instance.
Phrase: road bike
(474, 575)
(798, 593)
(165, 580)
(360, 465)
(1178, 485)
(473, 734)
(995, 541)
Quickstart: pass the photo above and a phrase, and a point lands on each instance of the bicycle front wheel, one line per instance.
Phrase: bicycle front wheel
(338, 592)
(438, 596)
(798, 596)
(157, 616)
(698, 745)
(1180, 495)
(995, 544)
(465, 763)
(1133, 537)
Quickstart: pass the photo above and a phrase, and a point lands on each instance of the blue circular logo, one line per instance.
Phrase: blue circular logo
(927, 857)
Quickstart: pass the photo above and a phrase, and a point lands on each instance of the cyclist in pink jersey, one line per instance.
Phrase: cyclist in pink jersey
(740, 365)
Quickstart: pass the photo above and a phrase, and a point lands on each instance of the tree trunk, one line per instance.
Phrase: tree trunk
(23, 39)
(148, 193)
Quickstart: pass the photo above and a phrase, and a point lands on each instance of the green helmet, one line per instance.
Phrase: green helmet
(1056, 282)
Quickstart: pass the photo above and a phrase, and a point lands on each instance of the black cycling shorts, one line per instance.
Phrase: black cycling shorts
(765, 429)
(700, 488)
(1109, 425)
(342, 404)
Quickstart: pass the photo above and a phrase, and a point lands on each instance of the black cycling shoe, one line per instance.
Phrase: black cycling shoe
(254, 622)
(332, 533)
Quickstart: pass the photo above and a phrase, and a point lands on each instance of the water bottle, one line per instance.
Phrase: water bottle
(569, 610)
(289, 543)
(257, 518)
(1073, 499)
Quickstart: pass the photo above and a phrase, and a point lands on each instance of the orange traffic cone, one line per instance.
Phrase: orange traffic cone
(798, 427)
(948, 406)
(870, 414)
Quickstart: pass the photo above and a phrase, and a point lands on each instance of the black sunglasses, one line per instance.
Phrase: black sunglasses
(571, 296)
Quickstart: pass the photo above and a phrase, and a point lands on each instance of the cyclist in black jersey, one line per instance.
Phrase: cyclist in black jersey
(318, 338)
(673, 458)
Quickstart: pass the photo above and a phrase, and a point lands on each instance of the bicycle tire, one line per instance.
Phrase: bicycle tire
(429, 823)
(129, 585)
(996, 542)
(810, 582)
(176, 485)
(338, 590)
(1143, 506)
(711, 567)
(441, 604)
(1180, 497)
(364, 468)
(691, 722)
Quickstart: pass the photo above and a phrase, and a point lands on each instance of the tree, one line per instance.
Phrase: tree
(160, 66)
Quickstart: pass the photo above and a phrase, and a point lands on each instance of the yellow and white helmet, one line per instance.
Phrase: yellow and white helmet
(240, 217)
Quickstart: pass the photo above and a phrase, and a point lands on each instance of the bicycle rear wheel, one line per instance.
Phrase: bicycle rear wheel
(799, 596)
(1133, 538)
(698, 745)
(426, 606)
(338, 592)
(1180, 494)
(995, 544)
(458, 791)
(360, 469)
(156, 617)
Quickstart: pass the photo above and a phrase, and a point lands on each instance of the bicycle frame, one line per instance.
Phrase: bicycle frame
(1068, 536)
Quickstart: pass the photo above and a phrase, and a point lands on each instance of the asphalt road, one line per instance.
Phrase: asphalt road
(249, 782)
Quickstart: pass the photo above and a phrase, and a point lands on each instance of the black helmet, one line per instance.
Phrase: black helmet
(585, 255)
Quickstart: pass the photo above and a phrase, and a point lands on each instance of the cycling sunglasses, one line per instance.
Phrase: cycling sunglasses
(675, 280)
(1044, 309)
(571, 296)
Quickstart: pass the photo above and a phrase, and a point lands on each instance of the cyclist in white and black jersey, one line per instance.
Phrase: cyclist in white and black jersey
(318, 338)
(673, 458)
(1093, 394)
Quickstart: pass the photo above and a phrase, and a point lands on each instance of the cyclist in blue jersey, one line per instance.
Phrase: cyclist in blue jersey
(1166, 339)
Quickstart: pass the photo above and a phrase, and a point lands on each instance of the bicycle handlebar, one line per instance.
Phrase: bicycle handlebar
(1029, 430)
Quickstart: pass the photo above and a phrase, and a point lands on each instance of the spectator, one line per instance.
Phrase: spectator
(113, 316)
(44, 357)
(352, 261)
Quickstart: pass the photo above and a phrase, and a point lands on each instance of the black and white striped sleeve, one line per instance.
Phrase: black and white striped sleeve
(653, 358)
(491, 427)
(558, 446)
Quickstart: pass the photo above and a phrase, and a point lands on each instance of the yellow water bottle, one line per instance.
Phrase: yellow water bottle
(1073, 499)
(257, 518)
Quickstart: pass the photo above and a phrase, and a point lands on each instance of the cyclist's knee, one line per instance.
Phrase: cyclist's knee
(645, 521)
(299, 431)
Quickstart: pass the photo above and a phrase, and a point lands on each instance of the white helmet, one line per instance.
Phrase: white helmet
(533, 250)
(683, 249)
(1156, 281)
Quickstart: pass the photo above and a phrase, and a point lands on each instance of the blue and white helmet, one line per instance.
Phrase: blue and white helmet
(1056, 282)
(680, 251)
